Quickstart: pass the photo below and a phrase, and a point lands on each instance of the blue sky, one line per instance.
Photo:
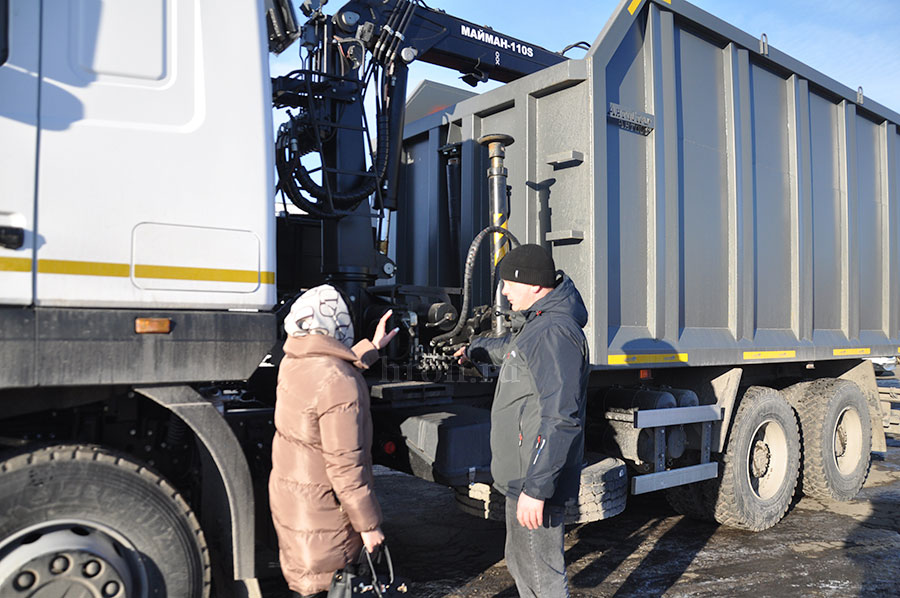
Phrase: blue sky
(855, 43)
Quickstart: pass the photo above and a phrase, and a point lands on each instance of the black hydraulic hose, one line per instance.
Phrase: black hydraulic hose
(385, 34)
(391, 53)
(453, 200)
(340, 199)
(467, 283)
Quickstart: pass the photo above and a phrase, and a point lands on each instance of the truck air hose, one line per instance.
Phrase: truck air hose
(470, 265)
(292, 171)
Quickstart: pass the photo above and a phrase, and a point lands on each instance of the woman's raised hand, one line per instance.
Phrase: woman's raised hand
(381, 340)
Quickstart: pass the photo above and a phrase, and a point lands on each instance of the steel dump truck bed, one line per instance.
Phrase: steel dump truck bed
(715, 200)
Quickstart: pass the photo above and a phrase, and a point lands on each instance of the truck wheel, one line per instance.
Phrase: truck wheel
(837, 439)
(81, 521)
(603, 494)
(762, 460)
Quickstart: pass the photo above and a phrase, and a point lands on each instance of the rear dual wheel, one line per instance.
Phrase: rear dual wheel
(837, 438)
(760, 470)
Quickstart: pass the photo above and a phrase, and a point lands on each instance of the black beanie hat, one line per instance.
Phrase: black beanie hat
(529, 264)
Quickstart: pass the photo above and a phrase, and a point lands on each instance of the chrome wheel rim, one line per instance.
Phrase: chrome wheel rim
(70, 558)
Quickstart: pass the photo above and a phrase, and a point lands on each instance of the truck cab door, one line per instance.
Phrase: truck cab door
(19, 78)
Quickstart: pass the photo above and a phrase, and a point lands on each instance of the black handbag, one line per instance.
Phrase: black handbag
(362, 579)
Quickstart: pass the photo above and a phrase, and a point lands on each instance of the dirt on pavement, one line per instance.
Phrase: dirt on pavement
(820, 549)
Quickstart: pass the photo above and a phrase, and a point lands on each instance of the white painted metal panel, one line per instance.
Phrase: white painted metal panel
(172, 257)
(155, 111)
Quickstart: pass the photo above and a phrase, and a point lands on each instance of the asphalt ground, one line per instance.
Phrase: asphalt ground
(820, 549)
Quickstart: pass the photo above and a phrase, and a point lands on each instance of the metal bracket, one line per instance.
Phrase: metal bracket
(659, 449)
(564, 237)
(565, 159)
(676, 477)
(705, 442)
(653, 418)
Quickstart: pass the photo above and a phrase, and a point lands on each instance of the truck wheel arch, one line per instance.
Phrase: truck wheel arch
(232, 503)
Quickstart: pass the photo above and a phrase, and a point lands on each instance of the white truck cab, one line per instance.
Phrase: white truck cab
(135, 149)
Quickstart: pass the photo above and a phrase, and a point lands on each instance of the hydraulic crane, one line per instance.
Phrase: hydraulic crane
(327, 164)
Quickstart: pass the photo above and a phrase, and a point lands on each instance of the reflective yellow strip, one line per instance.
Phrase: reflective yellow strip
(633, 359)
(860, 351)
(769, 354)
(83, 268)
(204, 274)
(635, 3)
(15, 264)
(498, 238)
(146, 271)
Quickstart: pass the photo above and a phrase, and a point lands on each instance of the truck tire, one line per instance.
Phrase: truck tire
(758, 475)
(79, 520)
(837, 439)
(693, 501)
(603, 494)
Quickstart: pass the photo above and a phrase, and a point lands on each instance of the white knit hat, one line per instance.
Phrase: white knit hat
(321, 310)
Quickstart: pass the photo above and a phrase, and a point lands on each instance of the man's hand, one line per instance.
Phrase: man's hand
(530, 511)
(373, 539)
(462, 358)
(381, 340)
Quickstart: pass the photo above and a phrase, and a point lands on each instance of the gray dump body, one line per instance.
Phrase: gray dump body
(716, 202)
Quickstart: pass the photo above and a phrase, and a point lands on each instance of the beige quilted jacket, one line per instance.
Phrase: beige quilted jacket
(321, 486)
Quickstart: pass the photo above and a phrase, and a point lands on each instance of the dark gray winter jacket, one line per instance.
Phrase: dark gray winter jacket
(537, 419)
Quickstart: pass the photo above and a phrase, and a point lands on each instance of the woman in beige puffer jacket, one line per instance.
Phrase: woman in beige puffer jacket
(321, 486)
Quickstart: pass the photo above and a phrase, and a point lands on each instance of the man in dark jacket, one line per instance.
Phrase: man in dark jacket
(537, 418)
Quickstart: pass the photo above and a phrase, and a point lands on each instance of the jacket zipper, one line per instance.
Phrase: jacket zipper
(521, 414)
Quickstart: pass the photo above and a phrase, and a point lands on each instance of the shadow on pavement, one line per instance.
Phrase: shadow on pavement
(879, 534)
(625, 538)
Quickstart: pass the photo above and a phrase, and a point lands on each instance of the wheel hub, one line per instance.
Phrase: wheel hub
(847, 442)
(72, 574)
(762, 456)
(840, 444)
(767, 460)
(66, 561)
